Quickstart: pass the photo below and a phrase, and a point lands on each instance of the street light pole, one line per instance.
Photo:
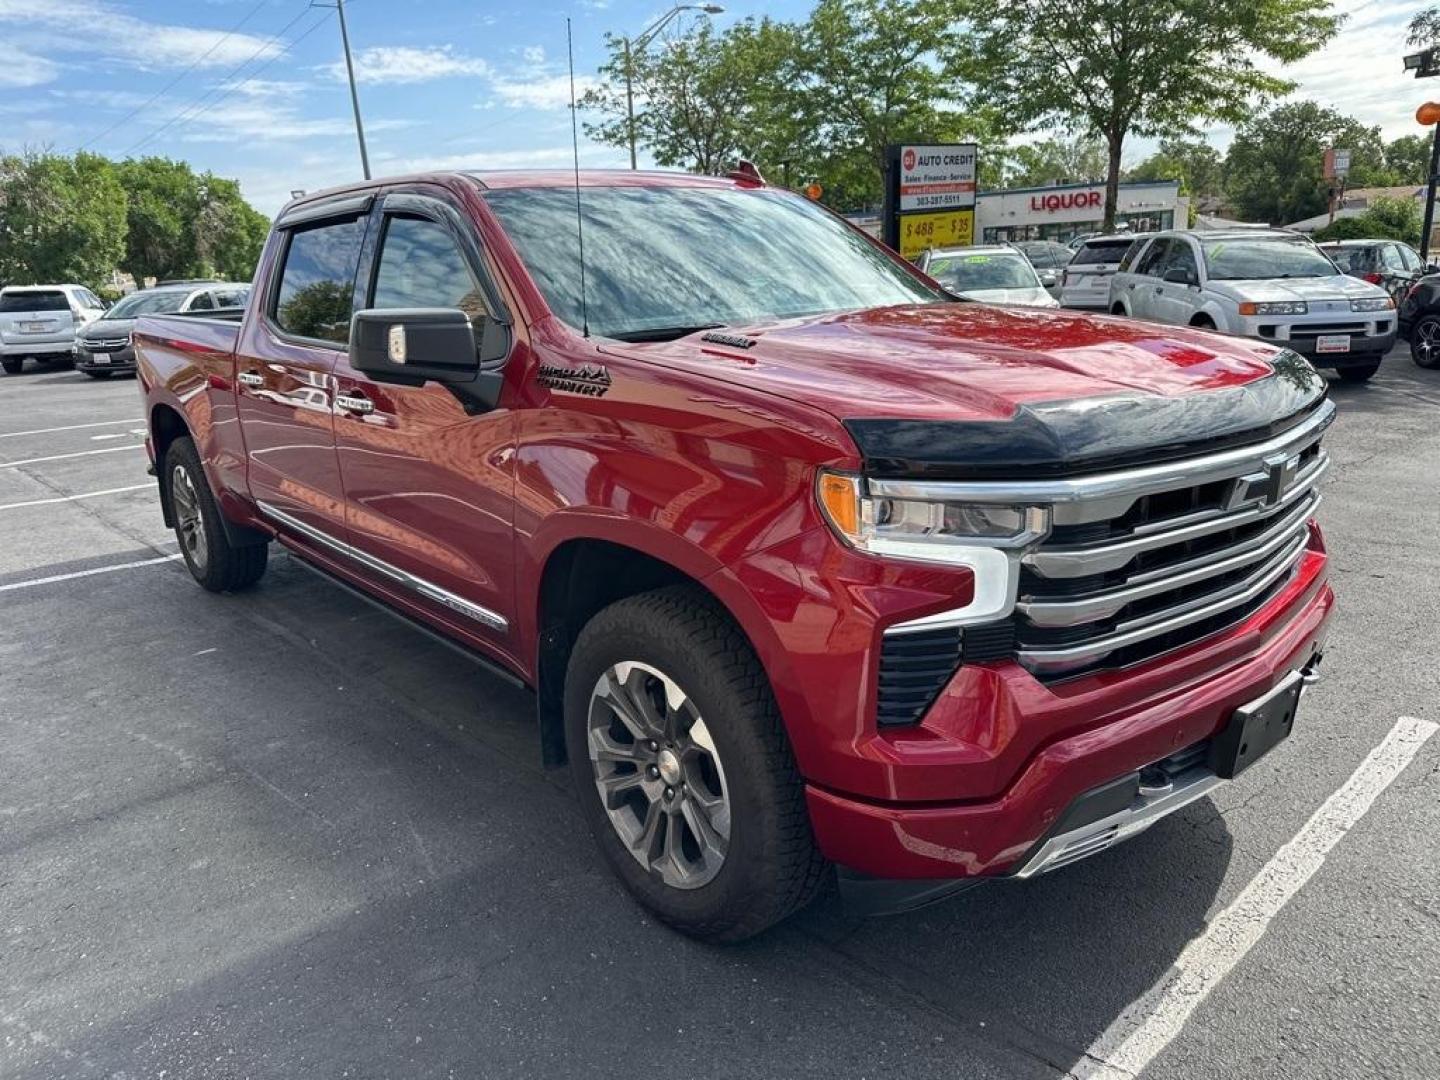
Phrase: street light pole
(339, 6)
(639, 43)
(1429, 113)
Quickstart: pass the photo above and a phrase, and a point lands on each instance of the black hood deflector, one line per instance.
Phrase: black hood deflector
(1086, 435)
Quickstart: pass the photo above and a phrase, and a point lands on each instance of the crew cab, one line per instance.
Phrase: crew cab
(816, 571)
(1273, 285)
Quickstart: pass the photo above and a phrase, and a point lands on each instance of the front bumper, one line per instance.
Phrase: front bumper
(1190, 696)
(117, 360)
(1371, 334)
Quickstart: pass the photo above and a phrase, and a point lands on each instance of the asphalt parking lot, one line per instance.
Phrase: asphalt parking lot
(281, 835)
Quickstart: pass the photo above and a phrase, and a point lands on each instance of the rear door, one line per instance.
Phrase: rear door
(1175, 302)
(1142, 280)
(428, 487)
(285, 367)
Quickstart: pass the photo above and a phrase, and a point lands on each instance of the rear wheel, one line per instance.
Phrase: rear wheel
(214, 562)
(1425, 342)
(682, 767)
(1358, 373)
(12, 364)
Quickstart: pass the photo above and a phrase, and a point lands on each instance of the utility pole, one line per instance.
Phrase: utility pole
(639, 43)
(339, 6)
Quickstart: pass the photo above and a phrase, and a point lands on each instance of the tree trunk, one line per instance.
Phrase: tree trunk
(1116, 141)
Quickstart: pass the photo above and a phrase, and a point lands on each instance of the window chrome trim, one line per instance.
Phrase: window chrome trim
(1127, 483)
(414, 582)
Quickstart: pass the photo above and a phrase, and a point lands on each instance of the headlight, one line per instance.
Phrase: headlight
(1373, 303)
(1279, 307)
(987, 538)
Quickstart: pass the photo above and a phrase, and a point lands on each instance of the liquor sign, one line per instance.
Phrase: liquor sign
(934, 186)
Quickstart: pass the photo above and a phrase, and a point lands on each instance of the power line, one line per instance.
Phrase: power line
(227, 86)
(171, 84)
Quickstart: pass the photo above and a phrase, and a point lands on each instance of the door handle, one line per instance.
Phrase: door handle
(251, 378)
(354, 403)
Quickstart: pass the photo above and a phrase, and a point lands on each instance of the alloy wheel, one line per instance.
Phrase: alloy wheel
(189, 523)
(1427, 343)
(658, 773)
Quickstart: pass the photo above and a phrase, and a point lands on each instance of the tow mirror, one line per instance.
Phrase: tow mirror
(413, 346)
(1179, 276)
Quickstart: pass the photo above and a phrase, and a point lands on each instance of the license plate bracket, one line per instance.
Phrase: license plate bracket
(1256, 728)
(1332, 343)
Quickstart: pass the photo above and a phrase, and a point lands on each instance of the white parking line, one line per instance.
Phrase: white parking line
(52, 579)
(62, 457)
(1148, 1025)
(67, 427)
(72, 498)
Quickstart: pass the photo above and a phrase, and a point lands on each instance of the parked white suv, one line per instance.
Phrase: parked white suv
(1268, 284)
(1085, 281)
(40, 321)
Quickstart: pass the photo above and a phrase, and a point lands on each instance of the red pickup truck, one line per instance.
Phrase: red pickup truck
(816, 571)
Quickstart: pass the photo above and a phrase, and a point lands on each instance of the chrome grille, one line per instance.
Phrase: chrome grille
(1123, 577)
(105, 344)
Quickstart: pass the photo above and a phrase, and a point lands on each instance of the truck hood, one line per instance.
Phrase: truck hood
(1339, 287)
(929, 374)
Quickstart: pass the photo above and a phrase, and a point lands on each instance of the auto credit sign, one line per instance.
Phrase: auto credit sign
(937, 177)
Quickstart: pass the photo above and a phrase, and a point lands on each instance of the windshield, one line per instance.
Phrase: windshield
(680, 258)
(1252, 259)
(976, 273)
(33, 301)
(146, 303)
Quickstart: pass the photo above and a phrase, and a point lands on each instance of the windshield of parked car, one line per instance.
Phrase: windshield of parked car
(147, 303)
(989, 270)
(1101, 251)
(33, 301)
(1261, 258)
(660, 262)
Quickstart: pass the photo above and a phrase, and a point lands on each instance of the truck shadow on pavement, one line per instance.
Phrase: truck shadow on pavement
(334, 850)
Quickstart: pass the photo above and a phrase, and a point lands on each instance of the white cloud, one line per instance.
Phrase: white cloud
(545, 92)
(98, 29)
(534, 54)
(408, 64)
(1360, 72)
(19, 69)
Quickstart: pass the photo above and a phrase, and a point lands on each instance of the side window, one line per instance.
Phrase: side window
(229, 298)
(1390, 258)
(1409, 258)
(317, 280)
(201, 302)
(421, 266)
(1155, 256)
(1182, 257)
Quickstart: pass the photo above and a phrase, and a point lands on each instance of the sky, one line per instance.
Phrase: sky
(255, 89)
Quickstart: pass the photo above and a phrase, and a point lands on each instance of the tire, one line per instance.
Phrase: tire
(1203, 322)
(99, 374)
(13, 364)
(1118, 309)
(1358, 373)
(1425, 342)
(675, 642)
(214, 562)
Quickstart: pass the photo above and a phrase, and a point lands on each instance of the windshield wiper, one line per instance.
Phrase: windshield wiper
(664, 333)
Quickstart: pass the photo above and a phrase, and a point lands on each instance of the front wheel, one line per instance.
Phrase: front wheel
(1358, 373)
(214, 562)
(1425, 342)
(682, 767)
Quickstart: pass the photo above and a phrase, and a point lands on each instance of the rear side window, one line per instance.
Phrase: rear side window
(1092, 252)
(33, 301)
(202, 302)
(1409, 258)
(421, 266)
(1154, 259)
(230, 298)
(317, 280)
(1127, 261)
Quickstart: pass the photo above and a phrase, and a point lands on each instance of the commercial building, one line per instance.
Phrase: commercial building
(1064, 211)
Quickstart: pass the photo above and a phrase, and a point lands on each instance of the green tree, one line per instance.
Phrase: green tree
(1391, 219)
(228, 231)
(1056, 161)
(1194, 162)
(1408, 158)
(1273, 168)
(62, 219)
(161, 199)
(1424, 29)
(1123, 67)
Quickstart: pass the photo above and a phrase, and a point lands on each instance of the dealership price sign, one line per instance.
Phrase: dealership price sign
(929, 197)
(949, 228)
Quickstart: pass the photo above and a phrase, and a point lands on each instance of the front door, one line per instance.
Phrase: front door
(285, 366)
(428, 486)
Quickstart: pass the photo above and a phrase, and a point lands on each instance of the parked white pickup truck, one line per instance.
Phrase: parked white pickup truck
(1268, 284)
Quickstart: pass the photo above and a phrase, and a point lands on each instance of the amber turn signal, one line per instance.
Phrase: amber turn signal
(840, 497)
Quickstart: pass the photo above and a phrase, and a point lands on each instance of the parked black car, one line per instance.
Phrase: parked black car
(1420, 320)
(1388, 263)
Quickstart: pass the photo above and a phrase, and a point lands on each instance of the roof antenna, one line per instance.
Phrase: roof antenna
(575, 143)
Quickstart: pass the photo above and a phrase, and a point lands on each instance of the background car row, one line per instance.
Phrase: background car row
(70, 324)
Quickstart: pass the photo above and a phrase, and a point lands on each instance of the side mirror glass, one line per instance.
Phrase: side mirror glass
(413, 346)
(1177, 276)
